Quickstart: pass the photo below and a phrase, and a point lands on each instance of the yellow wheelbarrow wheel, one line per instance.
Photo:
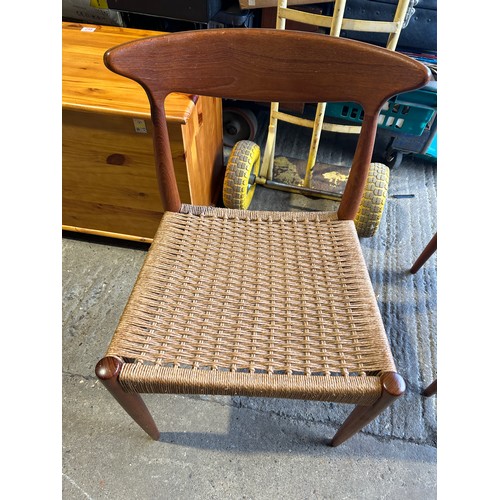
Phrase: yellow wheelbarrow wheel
(372, 204)
(239, 181)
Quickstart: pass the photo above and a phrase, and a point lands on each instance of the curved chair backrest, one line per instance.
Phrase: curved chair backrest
(266, 65)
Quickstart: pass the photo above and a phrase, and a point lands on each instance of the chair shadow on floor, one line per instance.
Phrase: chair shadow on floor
(258, 432)
(253, 424)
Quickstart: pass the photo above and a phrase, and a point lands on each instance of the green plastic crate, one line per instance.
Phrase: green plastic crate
(407, 113)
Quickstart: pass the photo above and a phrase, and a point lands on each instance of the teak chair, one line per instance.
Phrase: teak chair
(266, 304)
(427, 252)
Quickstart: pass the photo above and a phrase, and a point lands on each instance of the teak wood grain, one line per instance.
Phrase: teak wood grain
(258, 66)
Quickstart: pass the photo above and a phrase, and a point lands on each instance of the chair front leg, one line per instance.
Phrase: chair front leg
(393, 386)
(107, 370)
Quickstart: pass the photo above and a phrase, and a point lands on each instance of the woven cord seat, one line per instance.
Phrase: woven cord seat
(266, 304)
(280, 305)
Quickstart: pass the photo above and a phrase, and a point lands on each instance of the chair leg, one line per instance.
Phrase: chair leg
(426, 253)
(108, 370)
(393, 386)
(431, 389)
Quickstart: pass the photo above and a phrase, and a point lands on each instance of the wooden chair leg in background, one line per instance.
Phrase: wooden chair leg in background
(431, 389)
(431, 247)
(426, 253)
(393, 386)
(108, 370)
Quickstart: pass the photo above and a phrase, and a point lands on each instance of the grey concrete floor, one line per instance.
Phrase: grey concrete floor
(211, 447)
(244, 448)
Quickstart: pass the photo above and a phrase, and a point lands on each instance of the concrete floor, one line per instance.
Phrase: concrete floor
(211, 447)
(243, 448)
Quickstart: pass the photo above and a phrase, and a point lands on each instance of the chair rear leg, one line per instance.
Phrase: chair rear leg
(431, 389)
(425, 255)
(393, 386)
(108, 370)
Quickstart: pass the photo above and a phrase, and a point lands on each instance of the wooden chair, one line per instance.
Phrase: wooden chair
(427, 252)
(431, 389)
(266, 304)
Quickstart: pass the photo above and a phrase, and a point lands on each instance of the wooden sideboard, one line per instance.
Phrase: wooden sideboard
(109, 183)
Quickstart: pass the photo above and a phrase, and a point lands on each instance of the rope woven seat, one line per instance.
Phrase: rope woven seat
(257, 303)
(277, 307)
